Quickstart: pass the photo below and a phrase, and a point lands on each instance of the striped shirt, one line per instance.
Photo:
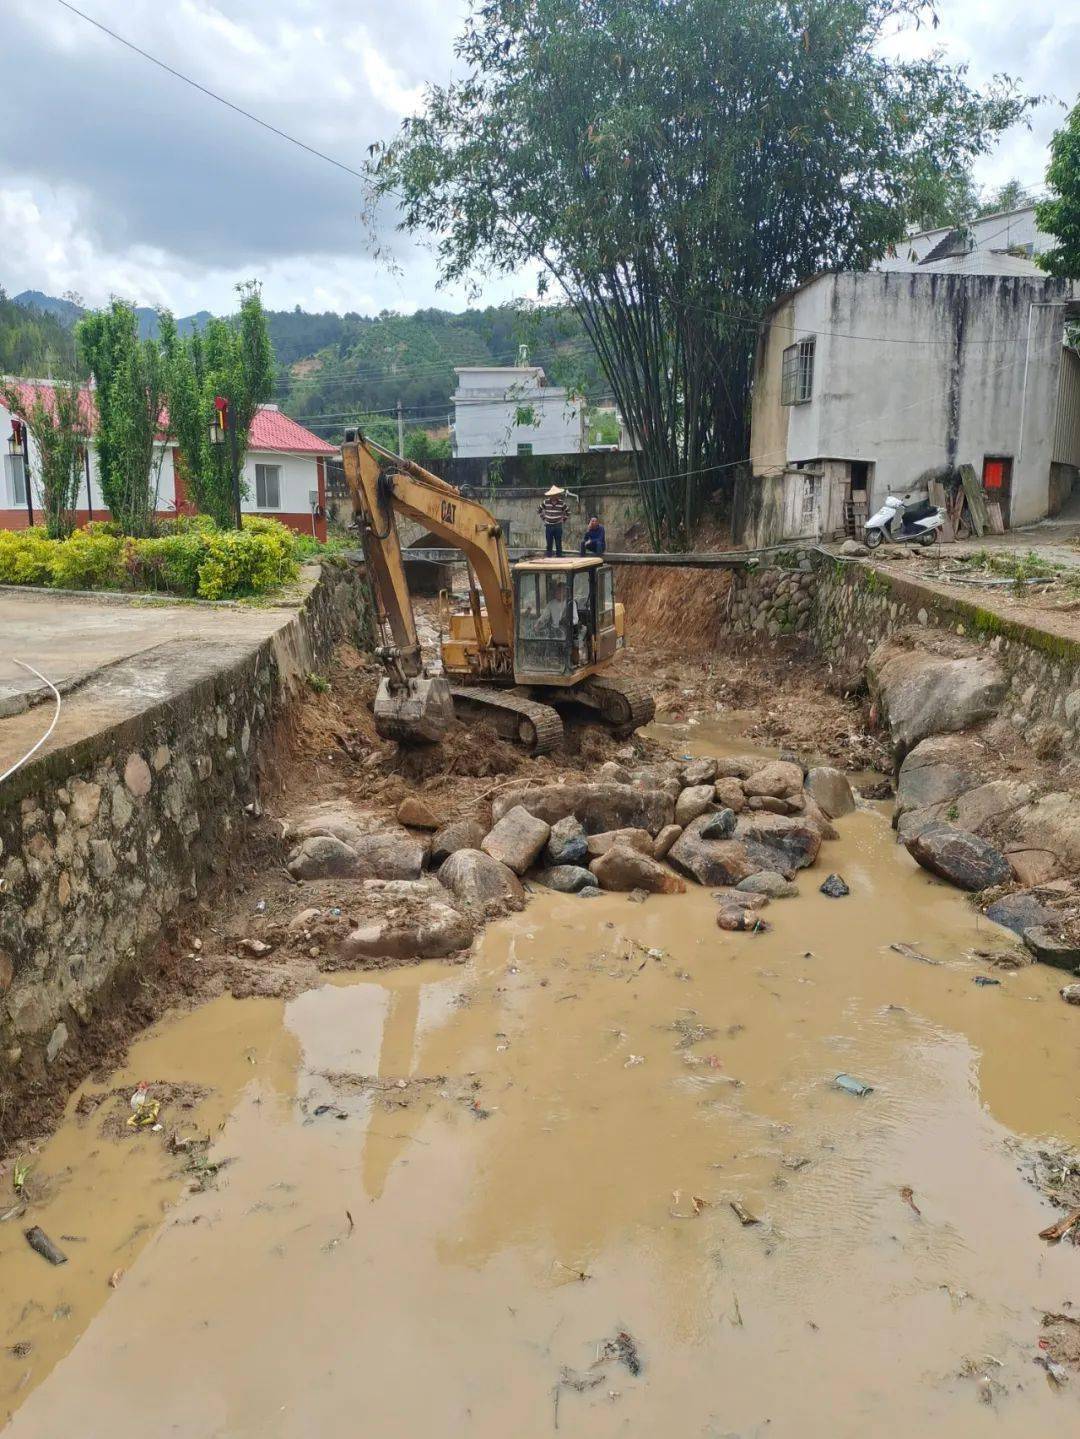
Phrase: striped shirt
(553, 510)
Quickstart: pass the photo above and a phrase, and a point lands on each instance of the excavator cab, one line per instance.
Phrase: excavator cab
(566, 619)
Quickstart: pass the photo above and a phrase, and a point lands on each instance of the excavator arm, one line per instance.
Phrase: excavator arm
(411, 704)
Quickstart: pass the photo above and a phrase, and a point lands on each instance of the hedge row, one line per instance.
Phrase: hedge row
(192, 558)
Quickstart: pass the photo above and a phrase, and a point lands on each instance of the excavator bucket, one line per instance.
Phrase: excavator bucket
(417, 712)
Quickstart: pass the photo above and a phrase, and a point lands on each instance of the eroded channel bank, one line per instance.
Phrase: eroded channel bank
(135, 806)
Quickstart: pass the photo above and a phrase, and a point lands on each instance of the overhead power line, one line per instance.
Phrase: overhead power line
(212, 94)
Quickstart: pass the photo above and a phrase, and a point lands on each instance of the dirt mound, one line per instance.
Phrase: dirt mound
(474, 749)
(661, 603)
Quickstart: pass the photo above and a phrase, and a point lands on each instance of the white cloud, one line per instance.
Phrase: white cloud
(118, 178)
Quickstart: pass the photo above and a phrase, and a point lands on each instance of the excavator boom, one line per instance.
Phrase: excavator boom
(412, 705)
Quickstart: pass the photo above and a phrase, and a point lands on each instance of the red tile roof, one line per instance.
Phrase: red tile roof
(31, 390)
(270, 429)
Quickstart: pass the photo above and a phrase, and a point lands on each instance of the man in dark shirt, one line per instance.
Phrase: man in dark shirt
(554, 513)
(594, 541)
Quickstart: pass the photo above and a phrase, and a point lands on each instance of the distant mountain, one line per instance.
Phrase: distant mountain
(67, 312)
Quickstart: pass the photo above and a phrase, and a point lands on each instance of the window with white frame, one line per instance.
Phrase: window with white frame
(268, 487)
(15, 466)
(797, 373)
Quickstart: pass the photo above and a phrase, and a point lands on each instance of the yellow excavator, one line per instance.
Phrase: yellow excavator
(533, 637)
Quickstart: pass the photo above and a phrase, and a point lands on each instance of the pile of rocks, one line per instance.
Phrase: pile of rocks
(746, 825)
(955, 817)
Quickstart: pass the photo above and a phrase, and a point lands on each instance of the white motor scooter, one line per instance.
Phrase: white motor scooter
(903, 522)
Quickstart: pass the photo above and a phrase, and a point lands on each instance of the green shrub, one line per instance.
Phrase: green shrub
(89, 559)
(26, 557)
(247, 561)
(193, 558)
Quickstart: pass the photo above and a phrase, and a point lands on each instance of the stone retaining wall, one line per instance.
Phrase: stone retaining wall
(101, 839)
(775, 598)
(857, 606)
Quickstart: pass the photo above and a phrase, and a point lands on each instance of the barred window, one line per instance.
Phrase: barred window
(797, 374)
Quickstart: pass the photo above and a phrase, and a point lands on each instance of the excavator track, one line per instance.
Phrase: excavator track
(536, 727)
(624, 704)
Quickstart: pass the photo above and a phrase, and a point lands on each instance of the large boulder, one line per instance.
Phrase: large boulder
(737, 911)
(1050, 946)
(793, 840)
(477, 879)
(720, 861)
(1052, 823)
(665, 776)
(814, 816)
(338, 818)
(620, 868)
(768, 882)
(639, 839)
(599, 807)
(567, 843)
(459, 834)
(830, 790)
(740, 766)
(699, 771)
(936, 772)
(779, 779)
(730, 794)
(695, 799)
(415, 813)
(920, 693)
(964, 859)
(1020, 912)
(720, 825)
(1032, 867)
(517, 839)
(979, 810)
(566, 878)
(665, 839)
(415, 925)
(370, 856)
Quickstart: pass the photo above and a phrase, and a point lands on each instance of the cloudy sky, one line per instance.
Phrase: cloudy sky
(117, 179)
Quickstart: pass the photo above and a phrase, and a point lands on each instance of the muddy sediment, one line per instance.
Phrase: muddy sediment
(594, 1174)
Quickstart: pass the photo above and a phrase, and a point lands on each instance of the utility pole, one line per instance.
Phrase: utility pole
(222, 431)
(234, 460)
(400, 430)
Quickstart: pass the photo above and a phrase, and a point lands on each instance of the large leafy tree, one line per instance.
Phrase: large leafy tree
(673, 165)
(1059, 215)
(58, 423)
(231, 357)
(129, 394)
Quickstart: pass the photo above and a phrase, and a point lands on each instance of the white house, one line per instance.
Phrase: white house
(1012, 231)
(512, 410)
(870, 384)
(283, 471)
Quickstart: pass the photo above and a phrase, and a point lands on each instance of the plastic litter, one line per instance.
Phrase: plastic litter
(41, 1244)
(1057, 1372)
(260, 906)
(635, 1059)
(834, 887)
(743, 1214)
(144, 1110)
(983, 980)
(907, 1194)
(850, 1085)
(911, 952)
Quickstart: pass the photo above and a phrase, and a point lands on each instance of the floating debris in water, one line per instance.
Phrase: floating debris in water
(850, 1085)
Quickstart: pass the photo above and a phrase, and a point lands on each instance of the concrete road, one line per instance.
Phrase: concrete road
(69, 638)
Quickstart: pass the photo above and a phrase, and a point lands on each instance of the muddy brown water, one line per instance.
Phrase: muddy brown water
(528, 1149)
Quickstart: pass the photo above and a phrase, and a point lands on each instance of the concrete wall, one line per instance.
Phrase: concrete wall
(914, 372)
(857, 606)
(105, 837)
